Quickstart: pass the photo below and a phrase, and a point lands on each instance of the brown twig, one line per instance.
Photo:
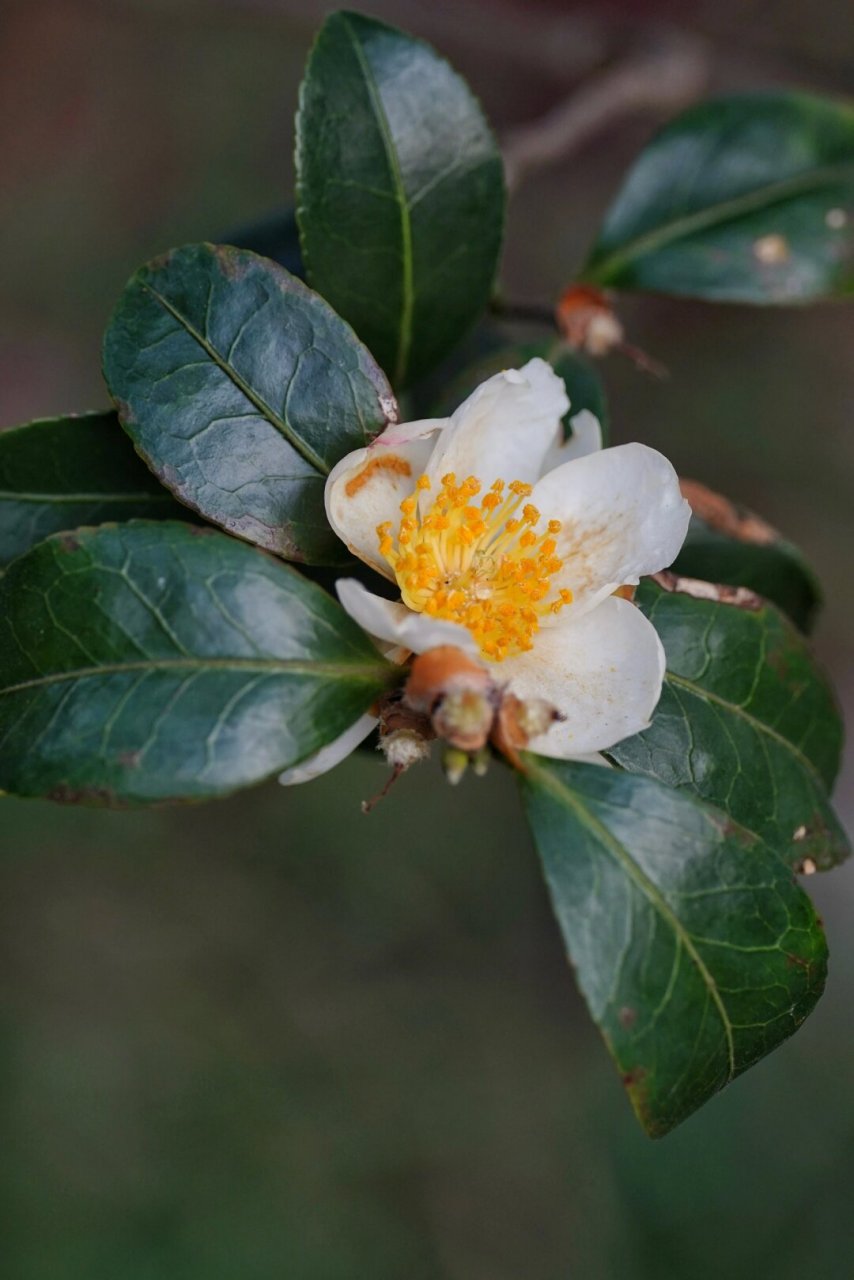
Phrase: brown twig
(662, 79)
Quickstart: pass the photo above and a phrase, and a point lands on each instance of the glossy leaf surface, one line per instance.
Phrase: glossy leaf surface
(696, 951)
(744, 199)
(58, 473)
(400, 192)
(156, 661)
(241, 388)
(583, 384)
(746, 720)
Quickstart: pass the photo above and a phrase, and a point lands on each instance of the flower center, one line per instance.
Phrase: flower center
(481, 565)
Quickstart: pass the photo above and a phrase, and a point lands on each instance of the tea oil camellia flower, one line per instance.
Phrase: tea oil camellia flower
(510, 543)
(155, 648)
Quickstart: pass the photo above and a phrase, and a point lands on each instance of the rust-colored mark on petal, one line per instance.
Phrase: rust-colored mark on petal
(725, 517)
(626, 592)
(389, 462)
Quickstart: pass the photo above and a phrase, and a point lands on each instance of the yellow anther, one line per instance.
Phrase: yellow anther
(482, 566)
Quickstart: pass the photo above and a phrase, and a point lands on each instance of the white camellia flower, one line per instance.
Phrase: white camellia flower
(510, 543)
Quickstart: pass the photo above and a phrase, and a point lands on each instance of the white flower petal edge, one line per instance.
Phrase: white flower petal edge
(586, 438)
(510, 422)
(392, 622)
(330, 755)
(622, 515)
(367, 487)
(603, 671)
(504, 430)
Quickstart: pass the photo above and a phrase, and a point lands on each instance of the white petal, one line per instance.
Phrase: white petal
(623, 516)
(330, 755)
(602, 670)
(504, 429)
(367, 486)
(586, 438)
(393, 622)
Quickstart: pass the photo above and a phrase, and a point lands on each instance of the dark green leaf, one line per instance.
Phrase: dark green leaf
(400, 192)
(241, 389)
(58, 473)
(275, 237)
(147, 662)
(583, 385)
(772, 567)
(746, 720)
(695, 949)
(746, 199)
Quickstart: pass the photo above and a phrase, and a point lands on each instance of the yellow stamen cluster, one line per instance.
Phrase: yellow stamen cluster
(482, 565)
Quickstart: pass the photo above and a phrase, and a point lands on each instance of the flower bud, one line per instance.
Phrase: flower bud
(442, 671)
(464, 719)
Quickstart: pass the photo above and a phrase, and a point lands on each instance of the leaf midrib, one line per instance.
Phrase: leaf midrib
(650, 891)
(603, 269)
(407, 302)
(274, 666)
(305, 450)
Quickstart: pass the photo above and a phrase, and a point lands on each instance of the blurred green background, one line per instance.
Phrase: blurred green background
(272, 1037)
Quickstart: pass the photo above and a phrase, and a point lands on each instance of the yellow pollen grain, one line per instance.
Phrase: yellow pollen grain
(482, 565)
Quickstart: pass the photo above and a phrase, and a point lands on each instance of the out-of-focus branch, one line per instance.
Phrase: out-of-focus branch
(663, 79)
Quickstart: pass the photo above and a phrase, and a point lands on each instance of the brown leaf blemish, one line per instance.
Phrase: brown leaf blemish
(718, 592)
(727, 517)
